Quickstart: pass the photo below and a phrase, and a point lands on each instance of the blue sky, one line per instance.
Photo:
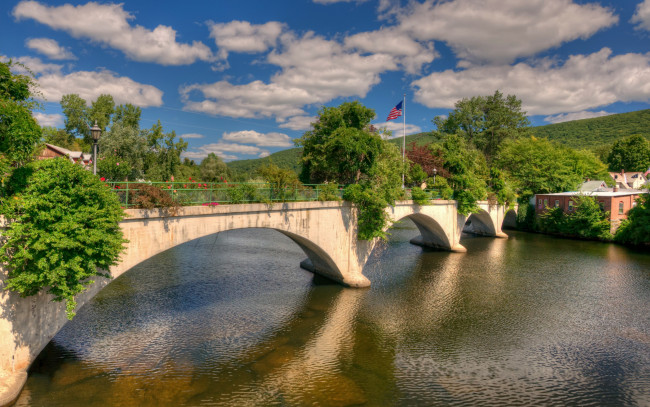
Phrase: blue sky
(243, 78)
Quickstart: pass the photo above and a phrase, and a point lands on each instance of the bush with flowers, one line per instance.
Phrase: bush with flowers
(113, 168)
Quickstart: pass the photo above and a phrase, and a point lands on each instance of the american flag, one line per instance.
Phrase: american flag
(396, 112)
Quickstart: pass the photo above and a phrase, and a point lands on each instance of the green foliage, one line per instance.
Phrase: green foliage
(587, 221)
(127, 115)
(243, 193)
(468, 170)
(416, 175)
(147, 196)
(100, 112)
(526, 217)
(282, 181)
(64, 230)
(212, 168)
(162, 159)
(130, 145)
(340, 148)
(486, 121)
(636, 228)
(329, 192)
(372, 218)
(541, 166)
(76, 117)
(419, 196)
(442, 187)
(630, 154)
(597, 132)
(60, 138)
(244, 170)
(113, 168)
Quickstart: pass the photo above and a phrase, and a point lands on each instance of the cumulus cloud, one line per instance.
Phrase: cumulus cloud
(397, 128)
(52, 120)
(500, 31)
(89, 85)
(583, 82)
(641, 16)
(411, 54)
(299, 123)
(242, 36)
(50, 48)
(108, 24)
(313, 71)
(259, 139)
(37, 66)
(191, 135)
(226, 151)
(566, 117)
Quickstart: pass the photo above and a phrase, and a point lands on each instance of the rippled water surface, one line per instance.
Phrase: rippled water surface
(232, 320)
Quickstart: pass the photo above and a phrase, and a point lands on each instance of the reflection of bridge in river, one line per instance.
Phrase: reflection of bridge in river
(326, 231)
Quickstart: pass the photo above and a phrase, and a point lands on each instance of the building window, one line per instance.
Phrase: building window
(557, 203)
(545, 203)
(570, 206)
(620, 208)
(539, 203)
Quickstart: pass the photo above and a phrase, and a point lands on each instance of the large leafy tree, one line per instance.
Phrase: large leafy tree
(212, 168)
(19, 131)
(630, 154)
(340, 147)
(76, 116)
(486, 121)
(541, 166)
(163, 158)
(636, 229)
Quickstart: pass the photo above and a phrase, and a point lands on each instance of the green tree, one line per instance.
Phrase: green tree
(100, 112)
(340, 148)
(163, 158)
(128, 144)
(127, 115)
(60, 137)
(281, 180)
(64, 230)
(636, 228)
(76, 117)
(630, 154)
(540, 166)
(212, 168)
(486, 121)
(19, 131)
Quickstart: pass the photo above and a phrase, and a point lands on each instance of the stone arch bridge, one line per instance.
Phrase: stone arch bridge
(326, 231)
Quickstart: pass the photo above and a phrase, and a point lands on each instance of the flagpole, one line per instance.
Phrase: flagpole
(403, 138)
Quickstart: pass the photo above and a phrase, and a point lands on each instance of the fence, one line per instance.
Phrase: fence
(219, 193)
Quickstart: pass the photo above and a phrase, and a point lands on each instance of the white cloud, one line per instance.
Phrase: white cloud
(89, 85)
(108, 24)
(49, 48)
(411, 54)
(36, 66)
(259, 139)
(397, 128)
(641, 16)
(566, 117)
(500, 31)
(242, 36)
(583, 82)
(299, 123)
(191, 135)
(227, 151)
(52, 120)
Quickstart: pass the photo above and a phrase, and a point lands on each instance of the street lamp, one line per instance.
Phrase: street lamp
(95, 131)
(435, 171)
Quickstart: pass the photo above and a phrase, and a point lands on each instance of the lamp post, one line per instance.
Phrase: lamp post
(435, 171)
(95, 131)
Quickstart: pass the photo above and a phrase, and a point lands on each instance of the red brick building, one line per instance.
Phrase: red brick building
(616, 202)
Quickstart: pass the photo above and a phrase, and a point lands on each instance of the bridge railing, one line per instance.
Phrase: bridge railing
(219, 193)
(222, 193)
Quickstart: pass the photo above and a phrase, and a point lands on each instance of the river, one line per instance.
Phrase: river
(232, 320)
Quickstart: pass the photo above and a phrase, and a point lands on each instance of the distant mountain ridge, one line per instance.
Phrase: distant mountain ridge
(579, 134)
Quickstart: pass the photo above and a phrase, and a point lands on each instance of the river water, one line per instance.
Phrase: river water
(232, 320)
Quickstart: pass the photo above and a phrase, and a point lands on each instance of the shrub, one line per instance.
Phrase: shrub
(372, 218)
(147, 196)
(419, 196)
(329, 192)
(63, 231)
(113, 168)
(636, 228)
(243, 193)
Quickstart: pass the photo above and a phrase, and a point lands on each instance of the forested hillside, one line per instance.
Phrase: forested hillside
(600, 131)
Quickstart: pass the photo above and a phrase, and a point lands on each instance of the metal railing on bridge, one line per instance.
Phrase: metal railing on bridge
(222, 193)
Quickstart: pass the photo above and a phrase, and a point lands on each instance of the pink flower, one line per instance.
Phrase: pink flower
(117, 163)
